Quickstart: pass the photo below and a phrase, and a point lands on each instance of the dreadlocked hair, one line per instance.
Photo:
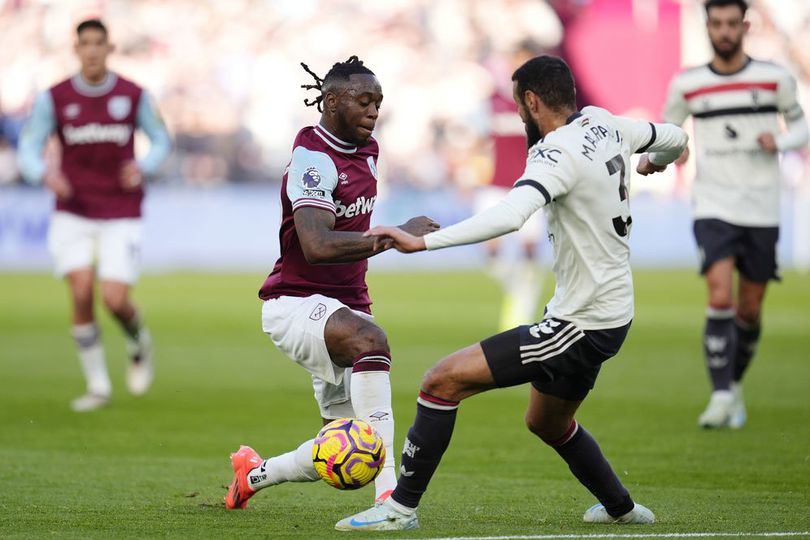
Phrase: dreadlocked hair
(340, 71)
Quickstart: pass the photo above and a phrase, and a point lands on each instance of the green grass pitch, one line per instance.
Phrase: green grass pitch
(157, 466)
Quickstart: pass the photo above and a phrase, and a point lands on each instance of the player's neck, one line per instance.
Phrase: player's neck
(95, 78)
(549, 120)
(731, 65)
(334, 132)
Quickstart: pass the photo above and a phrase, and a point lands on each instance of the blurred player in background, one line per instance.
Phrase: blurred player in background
(735, 102)
(96, 228)
(577, 170)
(317, 309)
(521, 278)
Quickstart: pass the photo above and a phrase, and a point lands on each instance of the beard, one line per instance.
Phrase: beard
(729, 51)
(533, 135)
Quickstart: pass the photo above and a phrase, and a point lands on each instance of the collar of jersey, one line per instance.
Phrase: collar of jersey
(93, 90)
(745, 65)
(334, 142)
(573, 117)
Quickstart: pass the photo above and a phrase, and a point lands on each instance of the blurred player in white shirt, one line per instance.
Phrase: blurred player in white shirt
(735, 102)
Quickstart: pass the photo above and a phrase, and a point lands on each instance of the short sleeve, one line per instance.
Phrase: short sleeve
(676, 108)
(549, 169)
(787, 98)
(311, 179)
(639, 134)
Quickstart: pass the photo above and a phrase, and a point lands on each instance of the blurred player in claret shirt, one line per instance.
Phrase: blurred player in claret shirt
(521, 277)
(316, 306)
(95, 230)
(735, 102)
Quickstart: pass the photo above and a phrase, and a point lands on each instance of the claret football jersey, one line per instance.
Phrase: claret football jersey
(334, 176)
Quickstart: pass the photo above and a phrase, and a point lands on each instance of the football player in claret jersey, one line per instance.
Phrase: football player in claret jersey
(735, 102)
(316, 307)
(577, 169)
(99, 189)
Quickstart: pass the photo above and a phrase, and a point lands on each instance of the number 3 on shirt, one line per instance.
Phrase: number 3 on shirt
(617, 165)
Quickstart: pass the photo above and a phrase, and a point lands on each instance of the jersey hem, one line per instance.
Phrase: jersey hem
(736, 222)
(274, 296)
(584, 325)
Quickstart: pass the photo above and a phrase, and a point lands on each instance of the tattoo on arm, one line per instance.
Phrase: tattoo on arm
(324, 245)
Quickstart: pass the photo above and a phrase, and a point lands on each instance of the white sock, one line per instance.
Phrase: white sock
(91, 357)
(401, 508)
(371, 401)
(295, 466)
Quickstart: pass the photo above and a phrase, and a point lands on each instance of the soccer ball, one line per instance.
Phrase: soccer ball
(348, 453)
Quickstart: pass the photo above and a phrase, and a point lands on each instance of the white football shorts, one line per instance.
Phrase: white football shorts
(112, 245)
(488, 196)
(296, 326)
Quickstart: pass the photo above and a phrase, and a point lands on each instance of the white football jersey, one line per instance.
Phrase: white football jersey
(737, 181)
(583, 171)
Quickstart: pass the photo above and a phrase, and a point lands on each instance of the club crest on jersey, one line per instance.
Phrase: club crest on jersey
(72, 110)
(372, 167)
(311, 178)
(119, 107)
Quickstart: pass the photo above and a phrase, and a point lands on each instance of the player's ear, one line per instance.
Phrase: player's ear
(746, 26)
(330, 101)
(531, 101)
(110, 48)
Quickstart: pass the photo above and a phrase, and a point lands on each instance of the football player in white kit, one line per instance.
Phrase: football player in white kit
(735, 102)
(577, 169)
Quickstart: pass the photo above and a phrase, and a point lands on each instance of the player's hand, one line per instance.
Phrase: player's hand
(401, 241)
(131, 176)
(645, 166)
(56, 181)
(419, 226)
(683, 158)
(767, 142)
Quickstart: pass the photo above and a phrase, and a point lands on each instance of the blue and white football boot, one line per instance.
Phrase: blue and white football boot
(380, 517)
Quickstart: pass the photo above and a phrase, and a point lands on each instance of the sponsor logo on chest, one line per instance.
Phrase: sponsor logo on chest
(95, 133)
(361, 205)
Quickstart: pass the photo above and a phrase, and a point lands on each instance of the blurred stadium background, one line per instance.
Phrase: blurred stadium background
(227, 79)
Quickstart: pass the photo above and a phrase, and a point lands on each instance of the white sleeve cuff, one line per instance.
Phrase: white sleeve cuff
(796, 136)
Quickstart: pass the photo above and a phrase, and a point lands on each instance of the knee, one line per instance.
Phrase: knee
(748, 313)
(115, 301)
(441, 382)
(371, 338)
(548, 430)
(720, 298)
(83, 297)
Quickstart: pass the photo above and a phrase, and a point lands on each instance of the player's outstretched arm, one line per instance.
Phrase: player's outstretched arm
(397, 238)
(505, 217)
(324, 245)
